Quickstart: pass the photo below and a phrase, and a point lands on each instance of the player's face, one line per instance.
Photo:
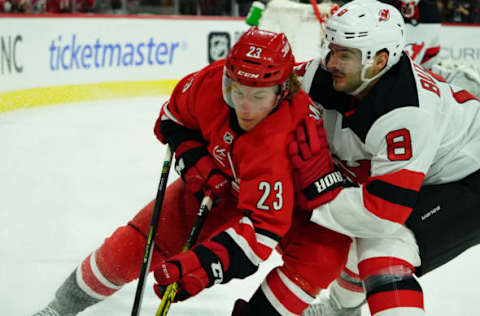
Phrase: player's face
(345, 64)
(253, 104)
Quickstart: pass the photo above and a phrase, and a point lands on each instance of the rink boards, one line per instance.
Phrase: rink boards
(68, 58)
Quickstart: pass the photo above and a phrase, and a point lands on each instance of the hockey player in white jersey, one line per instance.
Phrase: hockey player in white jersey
(411, 143)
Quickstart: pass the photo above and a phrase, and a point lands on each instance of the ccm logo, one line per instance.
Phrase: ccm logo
(247, 74)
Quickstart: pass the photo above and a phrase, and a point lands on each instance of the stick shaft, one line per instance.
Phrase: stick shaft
(152, 231)
(171, 290)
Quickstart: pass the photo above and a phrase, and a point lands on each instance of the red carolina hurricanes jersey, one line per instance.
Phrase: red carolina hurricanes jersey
(256, 159)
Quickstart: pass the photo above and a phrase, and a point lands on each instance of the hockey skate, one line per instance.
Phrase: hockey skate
(328, 307)
(54, 309)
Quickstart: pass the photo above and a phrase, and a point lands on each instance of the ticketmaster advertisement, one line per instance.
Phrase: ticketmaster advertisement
(43, 52)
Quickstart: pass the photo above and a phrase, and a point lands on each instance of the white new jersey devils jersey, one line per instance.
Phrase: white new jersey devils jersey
(411, 130)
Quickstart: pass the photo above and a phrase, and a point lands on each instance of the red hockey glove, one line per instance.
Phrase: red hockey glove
(315, 177)
(198, 170)
(195, 270)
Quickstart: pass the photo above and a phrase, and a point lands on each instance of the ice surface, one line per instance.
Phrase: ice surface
(71, 174)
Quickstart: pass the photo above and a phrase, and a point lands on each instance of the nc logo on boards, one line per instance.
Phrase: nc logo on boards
(9, 54)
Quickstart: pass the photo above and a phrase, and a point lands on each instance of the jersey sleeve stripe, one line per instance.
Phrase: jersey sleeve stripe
(243, 244)
(261, 241)
(392, 193)
(385, 209)
(267, 241)
(403, 178)
(463, 96)
(430, 53)
(268, 234)
(392, 196)
(168, 114)
(247, 221)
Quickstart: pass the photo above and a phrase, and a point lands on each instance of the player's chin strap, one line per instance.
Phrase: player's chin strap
(367, 81)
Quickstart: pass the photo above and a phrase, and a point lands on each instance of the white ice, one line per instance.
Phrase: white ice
(70, 174)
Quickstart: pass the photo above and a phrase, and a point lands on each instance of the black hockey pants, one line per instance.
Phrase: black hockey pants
(446, 221)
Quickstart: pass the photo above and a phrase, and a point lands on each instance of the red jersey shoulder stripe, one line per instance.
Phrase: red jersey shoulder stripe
(430, 53)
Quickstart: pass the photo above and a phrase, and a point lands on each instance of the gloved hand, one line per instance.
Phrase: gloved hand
(197, 169)
(315, 177)
(194, 270)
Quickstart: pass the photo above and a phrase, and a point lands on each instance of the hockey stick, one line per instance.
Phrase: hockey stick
(152, 231)
(171, 290)
(316, 10)
(322, 18)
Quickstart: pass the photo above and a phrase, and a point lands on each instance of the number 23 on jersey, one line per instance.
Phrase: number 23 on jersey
(271, 197)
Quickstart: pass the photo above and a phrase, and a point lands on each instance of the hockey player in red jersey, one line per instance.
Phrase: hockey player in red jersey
(229, 125)
(410, 142)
